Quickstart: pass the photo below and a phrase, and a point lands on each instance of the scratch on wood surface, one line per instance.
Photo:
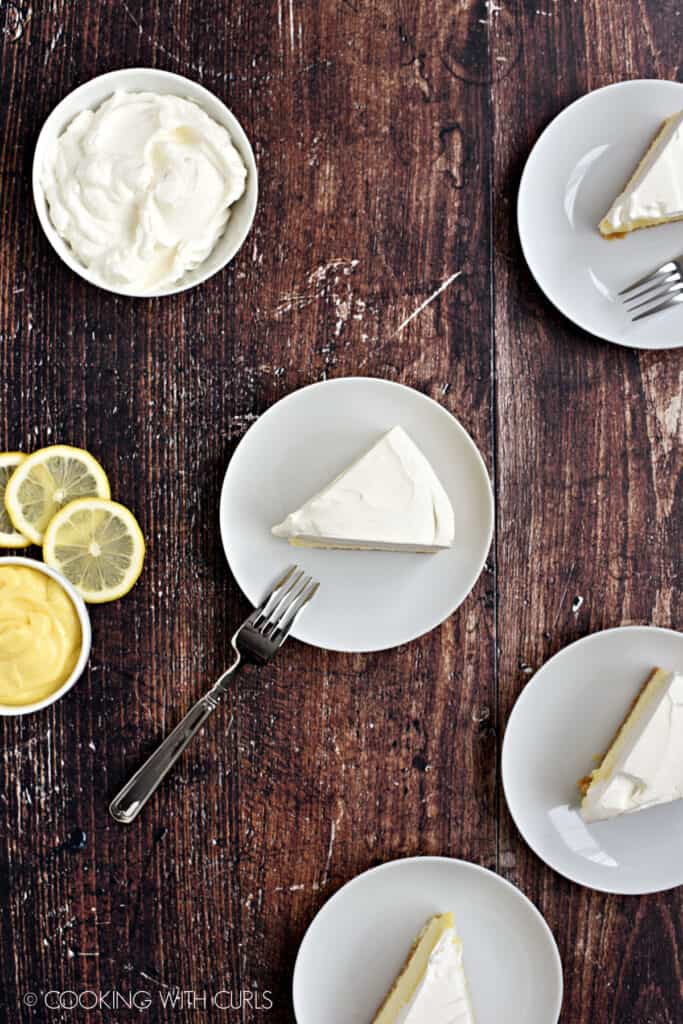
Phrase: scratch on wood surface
(316, 287)
(239, 423)
(564, 593)
(53, 44)
(59, 931)
(155, 981)
(182, 62)
(427, 302)
(331, 848)
(491, 10)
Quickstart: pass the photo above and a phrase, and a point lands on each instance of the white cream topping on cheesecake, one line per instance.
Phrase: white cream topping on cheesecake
(655, 192)
(442, 996)
(141, 188)
(644, 765)
(390, 498)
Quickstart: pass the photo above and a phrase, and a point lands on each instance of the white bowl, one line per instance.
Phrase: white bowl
(91, 95)
(86, 635)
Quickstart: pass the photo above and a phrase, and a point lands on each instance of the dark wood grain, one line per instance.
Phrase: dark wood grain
(390, 137)
(588, 491)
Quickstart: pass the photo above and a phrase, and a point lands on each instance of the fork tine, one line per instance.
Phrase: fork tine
(672, 289)
(276, 597)
(269, 628)
(665, 268)
(285, 627)
(662, 280)
(274, 594)
(280, 583)
(672, 301)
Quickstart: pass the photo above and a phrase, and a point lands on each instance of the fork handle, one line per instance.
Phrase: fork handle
(127, 804)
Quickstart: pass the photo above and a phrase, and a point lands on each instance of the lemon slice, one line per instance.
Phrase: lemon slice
(98, 545)
(9, 537)
(46, 481)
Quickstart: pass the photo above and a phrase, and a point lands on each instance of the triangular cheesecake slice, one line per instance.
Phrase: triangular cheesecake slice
(644, 765)
(654, 194)
(389, 500)
(432, 987)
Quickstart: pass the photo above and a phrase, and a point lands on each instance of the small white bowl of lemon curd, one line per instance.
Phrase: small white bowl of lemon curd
(45, 635)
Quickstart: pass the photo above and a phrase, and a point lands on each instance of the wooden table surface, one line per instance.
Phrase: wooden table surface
(390, 138)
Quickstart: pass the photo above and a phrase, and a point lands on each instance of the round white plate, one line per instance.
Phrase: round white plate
(368, 600)
(566, 717)
(360, 939)
(575, 171)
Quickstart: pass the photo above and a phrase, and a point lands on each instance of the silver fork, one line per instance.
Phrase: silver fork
(664, 286)
(258, 639)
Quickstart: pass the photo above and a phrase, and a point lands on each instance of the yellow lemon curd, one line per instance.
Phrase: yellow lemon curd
(40, 635)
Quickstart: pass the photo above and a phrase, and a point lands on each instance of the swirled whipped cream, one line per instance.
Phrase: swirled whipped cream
(390, 499)
(141, 188)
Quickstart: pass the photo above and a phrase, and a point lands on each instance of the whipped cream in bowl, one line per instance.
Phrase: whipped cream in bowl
(144, 182)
